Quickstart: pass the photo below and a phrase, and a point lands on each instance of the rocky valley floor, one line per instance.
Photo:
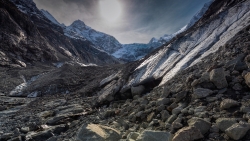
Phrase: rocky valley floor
(208, 101)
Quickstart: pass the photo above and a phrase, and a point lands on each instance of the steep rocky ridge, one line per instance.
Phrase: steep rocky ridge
(45, 41)
(191, 46)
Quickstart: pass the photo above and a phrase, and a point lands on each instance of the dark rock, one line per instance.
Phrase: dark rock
(217, 76)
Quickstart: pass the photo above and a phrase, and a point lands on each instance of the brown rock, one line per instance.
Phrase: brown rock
(188, 134)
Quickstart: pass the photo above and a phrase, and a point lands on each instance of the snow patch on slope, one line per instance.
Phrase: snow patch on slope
(195, 45)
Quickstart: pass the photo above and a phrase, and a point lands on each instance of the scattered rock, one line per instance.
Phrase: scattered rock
(237, 130)
(40, 136)
(228, 103)
(200, 124)
(237, 87)
(171, 118)
(224, 123)
(109, 113)
(55, 120)
(96, 132)
(217, 76)
(133, 136)
(245, 109)
(154, 136)
(187, 134)
(201, 93)
(150, 116)
(164, 115)
(45, 114)
(25, 129)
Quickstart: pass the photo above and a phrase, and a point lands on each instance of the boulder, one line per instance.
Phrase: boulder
(95, 132)
(247, 79)
(56, 120)
(179, 96)
(163, 101)
(172, 118)
(137, 90)
(228, 103)
(247, 61)
(108, 79)
(224, 123)
(187, 134)
(164, 115)
(154, 136)
(109, 91)
(237, 130)
(201, 93)
(200, 124)
(217, 76)
(132, 136)
(40, 136)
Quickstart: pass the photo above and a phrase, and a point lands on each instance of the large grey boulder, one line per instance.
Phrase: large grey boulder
(201, 93)
(138, 90)
(224, 123)
(148, 135)
(109, 91)
(217, 76)
(94, 132)
(238, 130)
(187, 134)
(228, 103)
(108, 79)
(200, 124)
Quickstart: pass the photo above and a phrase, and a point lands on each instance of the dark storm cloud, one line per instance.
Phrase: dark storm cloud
(140, 21)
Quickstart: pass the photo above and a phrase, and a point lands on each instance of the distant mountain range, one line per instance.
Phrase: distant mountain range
(127, 52)
(105, 43)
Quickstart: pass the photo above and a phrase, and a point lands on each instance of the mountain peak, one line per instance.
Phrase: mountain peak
(79, 24)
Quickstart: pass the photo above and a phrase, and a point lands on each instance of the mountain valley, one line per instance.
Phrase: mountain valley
(73, 83)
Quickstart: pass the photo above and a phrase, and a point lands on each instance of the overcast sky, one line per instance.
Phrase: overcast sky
(138, 22)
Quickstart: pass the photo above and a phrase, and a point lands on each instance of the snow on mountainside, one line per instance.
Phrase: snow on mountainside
(50, 17)
(204, 39)
(197, 16)
(136, 51)
(103, 41)
(27, 6)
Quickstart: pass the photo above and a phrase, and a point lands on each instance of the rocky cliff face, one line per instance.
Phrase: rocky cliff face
(196, 87)
(78, 30)
(28, 36)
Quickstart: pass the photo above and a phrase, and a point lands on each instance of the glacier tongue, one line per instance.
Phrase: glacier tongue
(193, 46)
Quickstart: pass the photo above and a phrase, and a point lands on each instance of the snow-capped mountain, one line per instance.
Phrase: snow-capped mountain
(35, 35)
(79, 30)
(136, 51)
(27, 6)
